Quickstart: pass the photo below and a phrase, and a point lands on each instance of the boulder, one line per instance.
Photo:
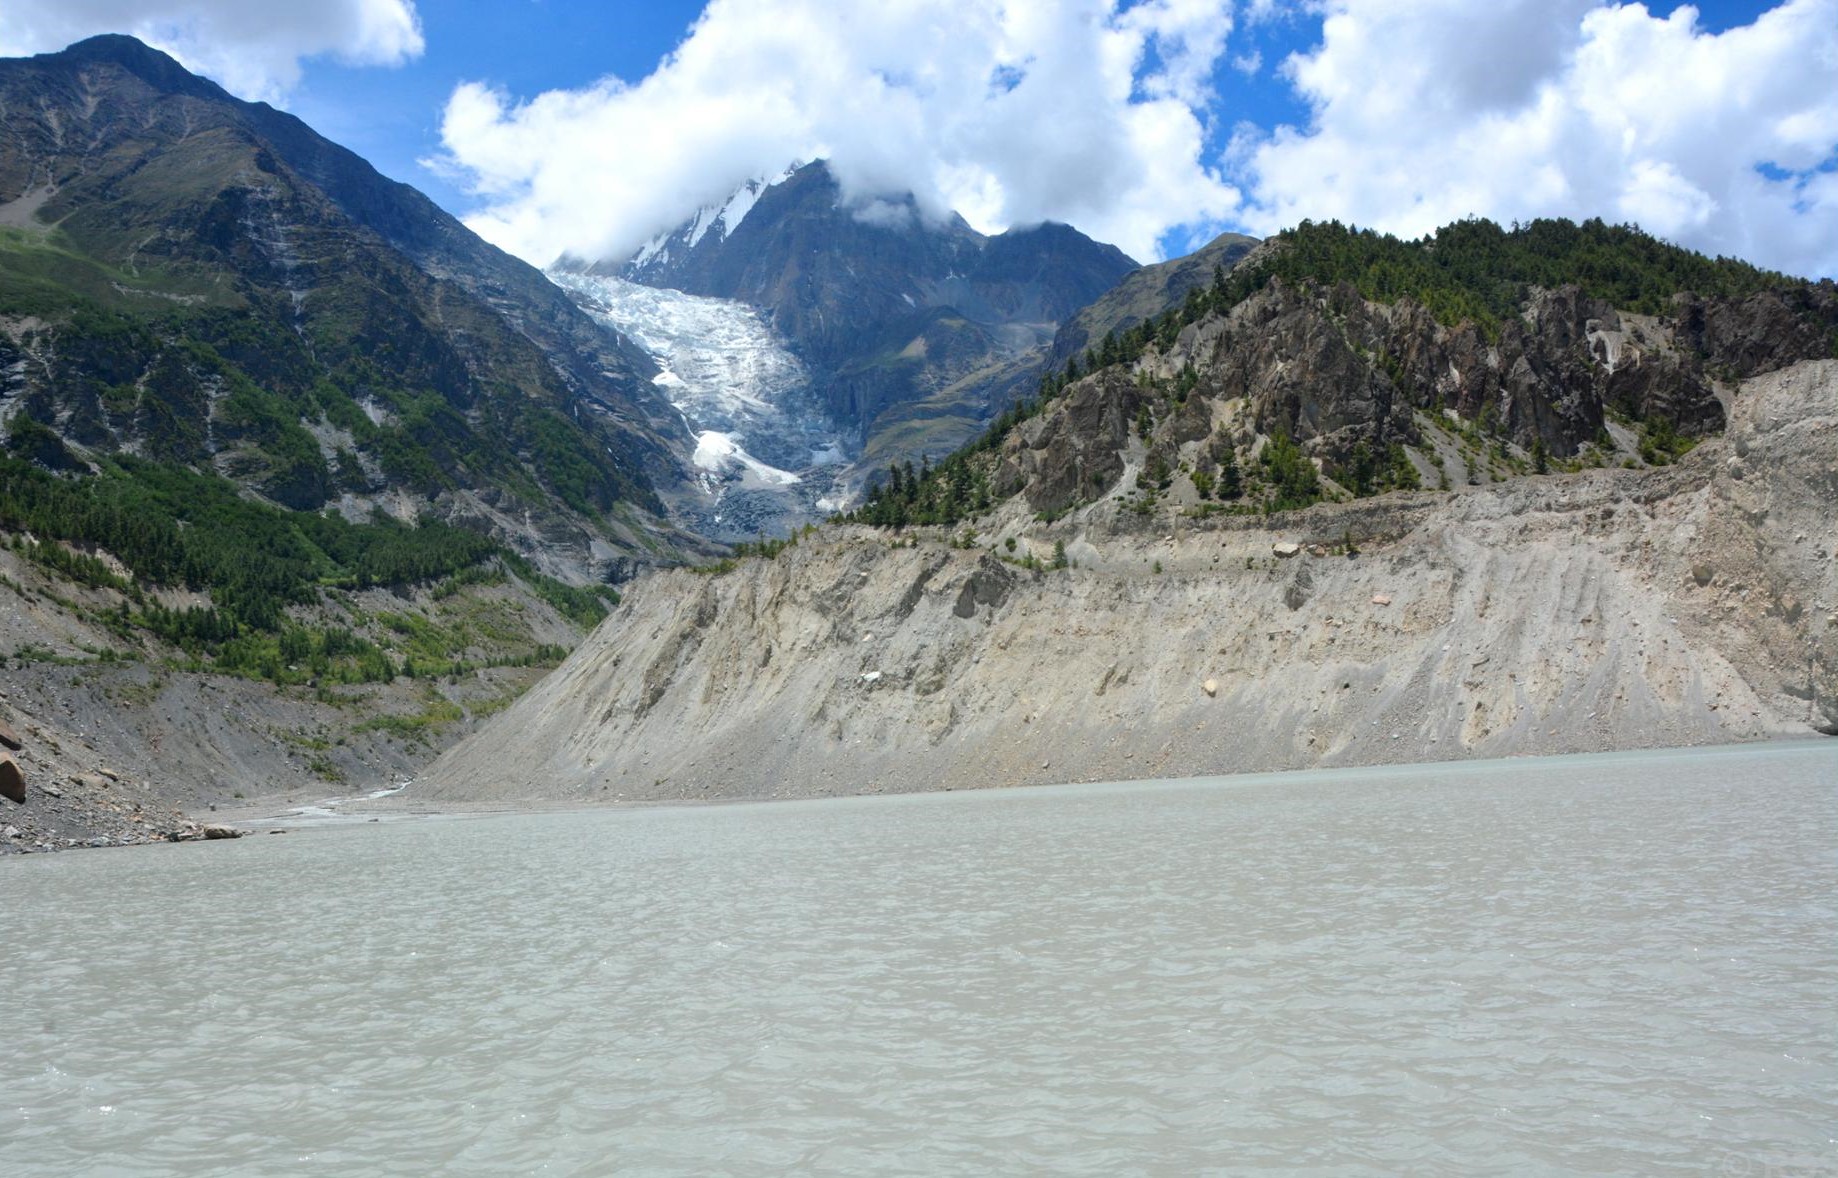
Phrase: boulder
(1296, 595)
(1285, 548)
(1210, 687)
(12, 780)
(988, 584)
(216, 830)
(1381, 599)
(9, 738)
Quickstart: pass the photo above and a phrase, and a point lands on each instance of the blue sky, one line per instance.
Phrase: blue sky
(554, 125)
(391, 116)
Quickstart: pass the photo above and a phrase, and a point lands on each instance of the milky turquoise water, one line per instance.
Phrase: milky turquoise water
(1623, 964)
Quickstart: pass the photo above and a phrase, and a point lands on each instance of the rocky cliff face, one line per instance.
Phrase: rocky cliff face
(1604, 609)
(1346, 377)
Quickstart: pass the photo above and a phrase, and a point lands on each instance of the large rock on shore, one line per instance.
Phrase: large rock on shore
(12, 780)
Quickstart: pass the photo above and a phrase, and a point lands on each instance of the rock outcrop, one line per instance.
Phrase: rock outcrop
(1605, 609)
(1355, 381)
(1145, 293)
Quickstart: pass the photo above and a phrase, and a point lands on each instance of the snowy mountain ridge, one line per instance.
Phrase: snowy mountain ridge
(720, 219)
(915, 331)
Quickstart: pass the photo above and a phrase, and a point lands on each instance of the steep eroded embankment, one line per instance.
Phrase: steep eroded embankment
(1606, 609)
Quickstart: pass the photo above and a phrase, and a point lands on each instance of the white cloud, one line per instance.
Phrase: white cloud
(1010, 111)
(252, 47)
(1424, 111)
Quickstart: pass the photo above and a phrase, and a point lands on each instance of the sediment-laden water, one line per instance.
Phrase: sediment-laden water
(1622, 964)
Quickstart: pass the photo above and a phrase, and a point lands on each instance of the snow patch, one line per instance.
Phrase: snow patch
(739, 205)
(650, 250)
(718, 452)
(761, 448)
(720, 363)
(721, 220)
(704, 220)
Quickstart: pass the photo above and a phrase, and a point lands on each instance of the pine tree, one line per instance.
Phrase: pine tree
(1231, 483)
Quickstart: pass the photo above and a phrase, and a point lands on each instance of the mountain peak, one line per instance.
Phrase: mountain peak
(913, 329)
(150, 65)
(719, 219)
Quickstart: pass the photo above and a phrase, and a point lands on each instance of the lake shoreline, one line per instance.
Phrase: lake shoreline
(403, 805)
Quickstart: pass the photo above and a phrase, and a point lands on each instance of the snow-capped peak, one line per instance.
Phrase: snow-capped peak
(720, 219)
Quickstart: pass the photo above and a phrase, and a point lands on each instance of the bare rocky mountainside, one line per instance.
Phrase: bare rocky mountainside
(1607, 608)
(1146, 293)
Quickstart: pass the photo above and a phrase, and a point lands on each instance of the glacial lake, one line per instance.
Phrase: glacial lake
(1616, 964)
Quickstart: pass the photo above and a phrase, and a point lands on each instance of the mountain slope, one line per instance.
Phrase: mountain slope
(206, 281)
(914, 333)
(1336, 364)
(1146, 294)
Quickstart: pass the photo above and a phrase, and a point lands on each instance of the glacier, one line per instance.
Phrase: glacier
(766, 460)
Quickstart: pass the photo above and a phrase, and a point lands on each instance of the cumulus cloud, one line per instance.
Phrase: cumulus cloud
(1009, 111)
(1424, 111)
(253, 49)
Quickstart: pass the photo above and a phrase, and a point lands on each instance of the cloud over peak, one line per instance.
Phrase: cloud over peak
(253, 49)
(1010, 112)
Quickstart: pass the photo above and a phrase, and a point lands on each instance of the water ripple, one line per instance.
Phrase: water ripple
(1601, 965)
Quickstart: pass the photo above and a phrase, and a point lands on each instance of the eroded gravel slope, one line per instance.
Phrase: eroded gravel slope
(1601, 610)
